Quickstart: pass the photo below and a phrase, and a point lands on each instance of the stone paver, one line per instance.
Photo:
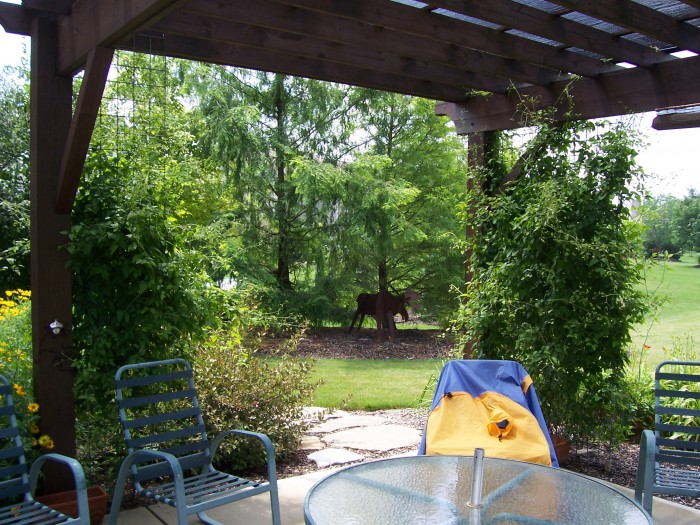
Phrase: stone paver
(334, 456)
(380, 438)
(311, 443)
(337, 423)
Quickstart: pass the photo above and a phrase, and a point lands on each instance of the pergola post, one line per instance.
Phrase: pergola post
(51, 107)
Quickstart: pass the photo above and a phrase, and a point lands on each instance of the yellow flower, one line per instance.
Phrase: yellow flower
(19, 390)
(34, 428)
(33, 407)
(46, 442)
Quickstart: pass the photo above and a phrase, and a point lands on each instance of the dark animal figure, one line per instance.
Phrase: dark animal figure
(383, 306)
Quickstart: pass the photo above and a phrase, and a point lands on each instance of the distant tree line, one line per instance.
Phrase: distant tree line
(673, 225)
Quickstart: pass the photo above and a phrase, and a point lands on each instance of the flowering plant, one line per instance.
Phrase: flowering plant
(16, 366)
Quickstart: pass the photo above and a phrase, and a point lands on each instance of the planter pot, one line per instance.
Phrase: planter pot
(562, 447)
(67, 503)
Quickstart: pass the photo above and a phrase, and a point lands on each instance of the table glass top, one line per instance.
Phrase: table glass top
(436, 489)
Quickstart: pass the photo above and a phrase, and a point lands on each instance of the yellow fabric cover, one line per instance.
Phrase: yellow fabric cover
(462, 423)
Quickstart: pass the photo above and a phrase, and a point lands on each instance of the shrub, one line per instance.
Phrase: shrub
(556, 274)
(239, 389)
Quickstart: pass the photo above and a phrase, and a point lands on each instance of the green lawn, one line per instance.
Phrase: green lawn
(357, 384)
(678, 285)
(375, 384)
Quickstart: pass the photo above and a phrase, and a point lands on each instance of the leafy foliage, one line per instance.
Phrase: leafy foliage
(673, 224)
(555, 274)
(16, 367)
(238, 389)
(140, 291)
(14, 182)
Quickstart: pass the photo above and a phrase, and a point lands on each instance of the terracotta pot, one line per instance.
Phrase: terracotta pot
(67, 503)
(562, 447)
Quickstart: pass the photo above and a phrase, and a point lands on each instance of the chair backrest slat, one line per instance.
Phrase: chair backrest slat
(12, 488)
(133, 382)
(158, 409)
(160, 418)
(12, 452)
(14, 471)
(157, 439)
(163, 397)
(677, 412)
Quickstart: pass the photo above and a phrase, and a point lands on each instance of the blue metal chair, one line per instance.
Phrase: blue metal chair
(18, 482)
(169, 454)
(674, 445)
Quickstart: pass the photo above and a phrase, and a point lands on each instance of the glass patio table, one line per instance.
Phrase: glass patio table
(437, 489)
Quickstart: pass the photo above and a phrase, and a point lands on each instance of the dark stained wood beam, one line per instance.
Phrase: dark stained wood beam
(568, 32)
(240, 56)
(640, 19)
(409, 20)
(61, 7)
(336, 37)
(51, 105)
(678, 118)
(634, 91)
(82, 126)
(102, 23)
(15, 19)
(283, 44)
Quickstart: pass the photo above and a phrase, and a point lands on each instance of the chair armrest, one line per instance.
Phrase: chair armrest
(76, 470)
(643, 488)
(269, 448)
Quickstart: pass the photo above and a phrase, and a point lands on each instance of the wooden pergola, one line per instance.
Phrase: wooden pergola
(479, 60)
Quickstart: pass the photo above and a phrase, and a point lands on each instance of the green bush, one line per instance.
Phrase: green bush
(239, 389)
(556, 274)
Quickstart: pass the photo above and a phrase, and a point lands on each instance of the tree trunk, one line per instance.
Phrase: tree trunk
(282, 207)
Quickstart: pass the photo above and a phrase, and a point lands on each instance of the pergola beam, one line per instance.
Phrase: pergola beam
(634, 91)
(102, 23)
(240, 56)
(641, 19)
(277, 28)
(677, 118)
(82, 126)
(15, 19)
(556, 28)
(441, 28)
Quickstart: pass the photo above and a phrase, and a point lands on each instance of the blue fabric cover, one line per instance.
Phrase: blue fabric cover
(479, 376)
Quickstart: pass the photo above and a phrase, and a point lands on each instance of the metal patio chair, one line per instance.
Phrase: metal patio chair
(18, 482)
(169, 454)
(674, 445)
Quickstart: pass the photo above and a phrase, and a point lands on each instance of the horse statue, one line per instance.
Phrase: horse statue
(384, 306)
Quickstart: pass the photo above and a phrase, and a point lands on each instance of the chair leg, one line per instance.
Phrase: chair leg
(118, 495)
(275, 506)
(206, 519)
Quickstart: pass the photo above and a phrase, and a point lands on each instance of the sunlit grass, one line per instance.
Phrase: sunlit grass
(677, 285)
(375, 384)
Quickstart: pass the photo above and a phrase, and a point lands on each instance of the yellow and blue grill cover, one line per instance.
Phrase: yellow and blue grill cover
(491, 405)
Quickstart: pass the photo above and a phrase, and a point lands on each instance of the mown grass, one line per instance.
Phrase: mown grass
(676, 286)
(375, 384)
(355, 384)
